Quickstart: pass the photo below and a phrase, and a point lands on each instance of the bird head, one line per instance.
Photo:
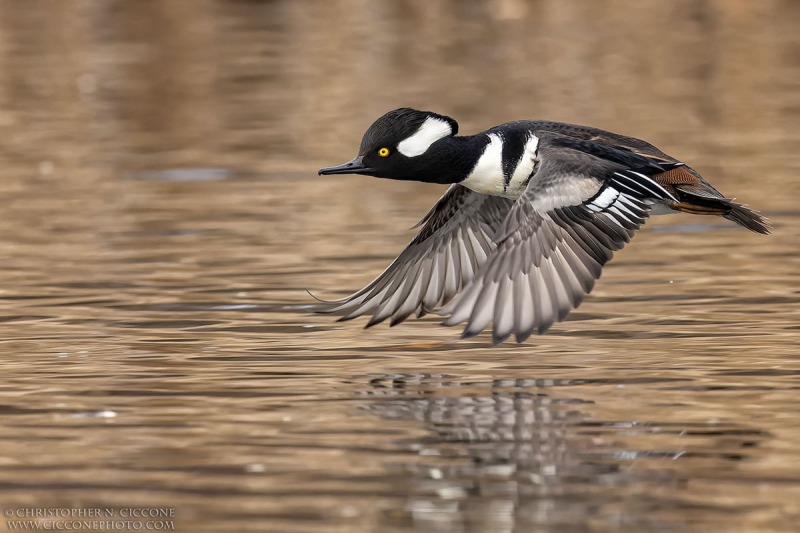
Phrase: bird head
(398, 145)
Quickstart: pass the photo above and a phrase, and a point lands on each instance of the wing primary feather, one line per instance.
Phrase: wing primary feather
(464, 256)
(460, 308)
(482, 310)
(411, 300)
(545, 316)
(391, 289)
(563, 294)
(569, 277)
(450, 287)
(433, 291)
(523, 307)
(503, 311)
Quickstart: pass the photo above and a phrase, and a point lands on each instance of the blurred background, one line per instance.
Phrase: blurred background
(162, 216)
(267, 85)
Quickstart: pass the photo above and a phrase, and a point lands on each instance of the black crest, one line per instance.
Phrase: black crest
(398, 125)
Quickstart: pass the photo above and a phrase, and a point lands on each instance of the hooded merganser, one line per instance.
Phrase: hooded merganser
(534, 211)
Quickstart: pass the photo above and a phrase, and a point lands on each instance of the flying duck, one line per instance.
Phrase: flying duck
(533, 212)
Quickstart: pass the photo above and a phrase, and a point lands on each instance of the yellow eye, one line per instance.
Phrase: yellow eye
(383, 152)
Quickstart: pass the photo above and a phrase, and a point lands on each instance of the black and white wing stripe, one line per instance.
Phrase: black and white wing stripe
(640, 185)
(455, 240)
(554, 243)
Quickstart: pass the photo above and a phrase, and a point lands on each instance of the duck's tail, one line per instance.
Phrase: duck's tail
(696, 195)
(703, 203)
(749, 218)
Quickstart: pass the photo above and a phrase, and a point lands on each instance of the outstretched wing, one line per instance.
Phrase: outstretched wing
(455, 240)
(584, 201)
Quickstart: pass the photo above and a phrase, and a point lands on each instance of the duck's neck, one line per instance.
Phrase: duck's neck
(499, 164)
(452, 159)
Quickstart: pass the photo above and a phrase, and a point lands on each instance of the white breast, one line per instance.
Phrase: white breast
(487, 175)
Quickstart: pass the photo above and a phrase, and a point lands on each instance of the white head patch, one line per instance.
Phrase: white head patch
(431, 131)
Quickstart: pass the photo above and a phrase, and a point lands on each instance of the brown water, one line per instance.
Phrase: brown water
(162, 217)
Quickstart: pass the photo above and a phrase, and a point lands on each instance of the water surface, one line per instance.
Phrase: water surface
(162, 219)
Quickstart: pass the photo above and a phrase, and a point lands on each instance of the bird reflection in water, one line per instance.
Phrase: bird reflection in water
(505, 454)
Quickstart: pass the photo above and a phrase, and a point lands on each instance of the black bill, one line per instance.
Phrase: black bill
(356, 166)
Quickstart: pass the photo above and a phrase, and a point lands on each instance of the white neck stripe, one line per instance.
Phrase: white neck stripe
(487, 175)
(431, 131)
(527, 162)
